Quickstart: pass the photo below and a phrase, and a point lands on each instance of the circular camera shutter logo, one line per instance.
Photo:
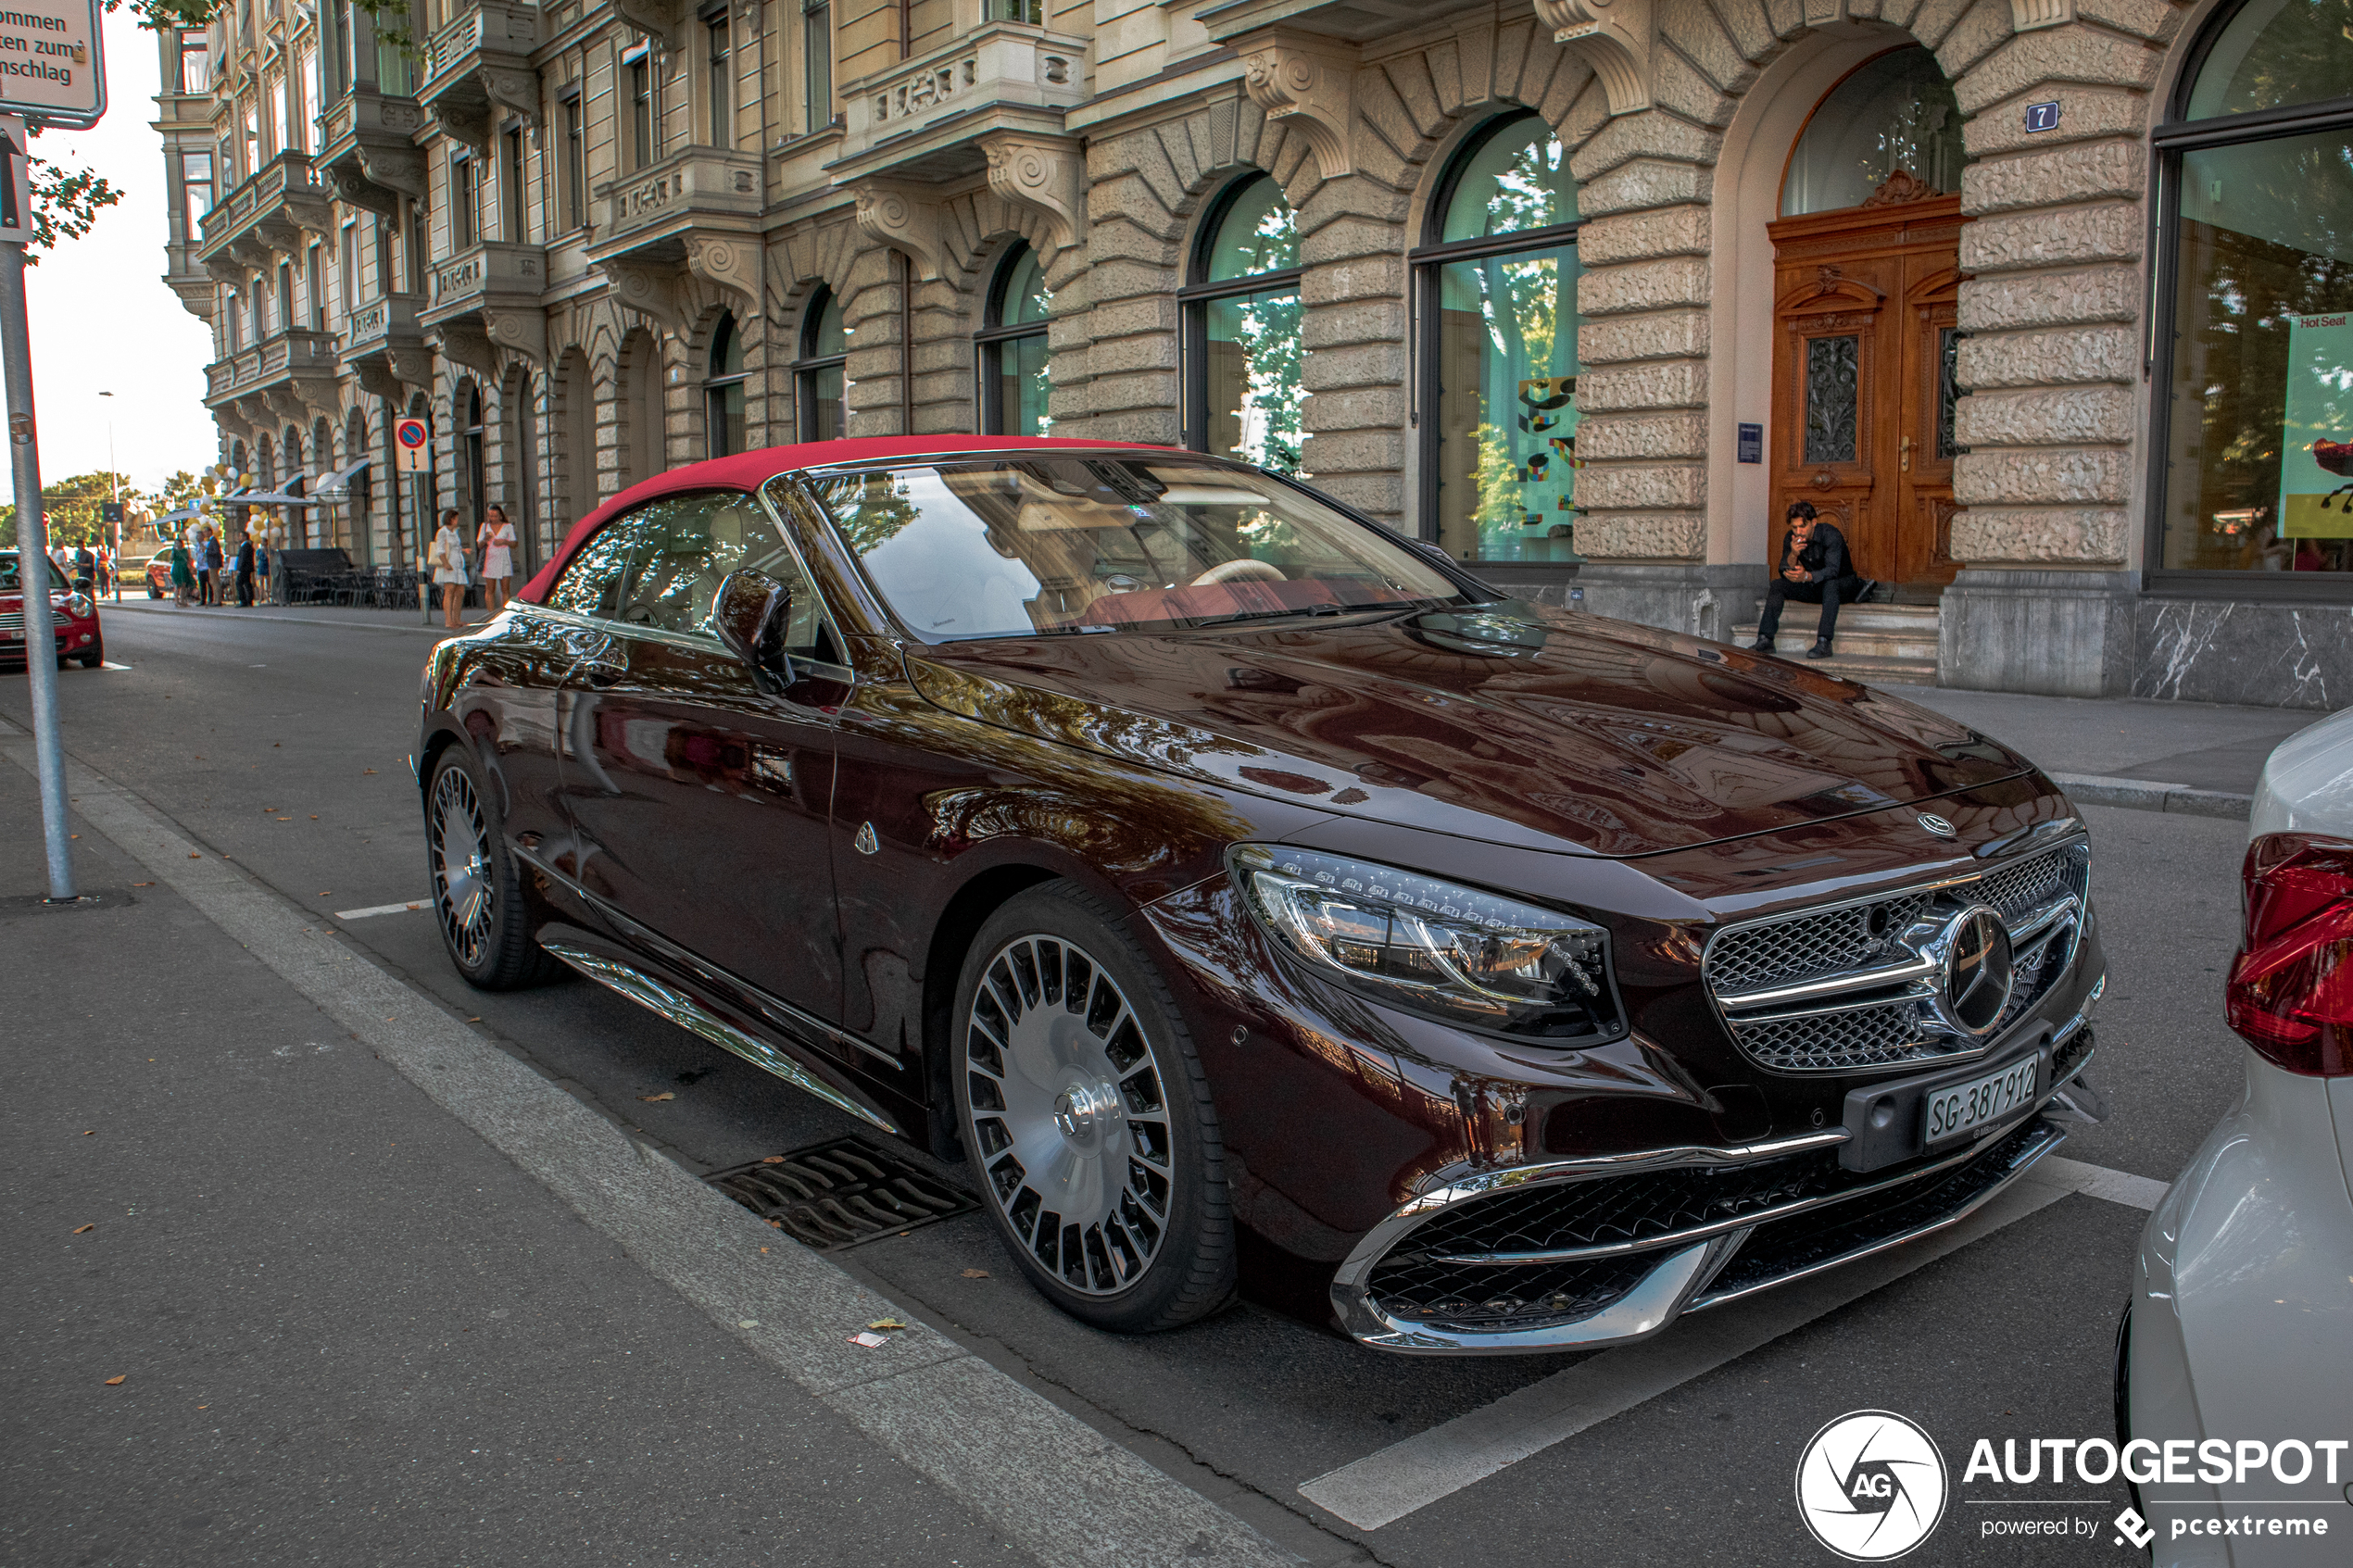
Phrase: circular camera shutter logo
(1870, 1486)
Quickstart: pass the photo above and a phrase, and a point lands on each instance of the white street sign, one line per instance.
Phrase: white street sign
(51, 67)
(409, 439)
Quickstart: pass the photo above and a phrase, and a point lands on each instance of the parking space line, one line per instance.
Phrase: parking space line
(380, 909)
(1063, 1492)
(1386, 1485)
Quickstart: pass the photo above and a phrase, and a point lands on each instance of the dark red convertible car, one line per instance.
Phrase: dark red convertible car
(1237, 884)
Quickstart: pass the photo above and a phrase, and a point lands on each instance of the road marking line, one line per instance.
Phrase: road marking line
(1061, 1491)
(1386, 1485)
(380, 909)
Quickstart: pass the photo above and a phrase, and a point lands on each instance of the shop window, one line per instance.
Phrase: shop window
(470, 449)
(2253, 469)
(1243, 397)
(818, 374)
(1013, 349)
(1496, 295)
(724, 390)
(1896, 115)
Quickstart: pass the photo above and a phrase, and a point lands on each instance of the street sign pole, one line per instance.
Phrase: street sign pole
(32, 536)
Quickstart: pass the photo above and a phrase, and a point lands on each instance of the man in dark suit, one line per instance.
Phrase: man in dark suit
(1813, 568)
(244, 573)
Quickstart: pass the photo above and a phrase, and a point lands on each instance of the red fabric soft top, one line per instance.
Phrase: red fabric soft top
(750, 471)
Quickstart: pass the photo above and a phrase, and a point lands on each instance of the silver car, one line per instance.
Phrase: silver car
(2241, 1329)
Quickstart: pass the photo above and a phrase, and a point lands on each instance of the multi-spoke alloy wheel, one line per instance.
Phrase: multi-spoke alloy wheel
(476, 896)
(1086, 1115)
(464, 894)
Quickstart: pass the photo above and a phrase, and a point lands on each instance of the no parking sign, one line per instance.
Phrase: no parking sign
(409, 446)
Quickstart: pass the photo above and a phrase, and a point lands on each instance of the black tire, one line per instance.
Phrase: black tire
(94, 657)
(1156, 1250)
(154, 592)
(478, 899)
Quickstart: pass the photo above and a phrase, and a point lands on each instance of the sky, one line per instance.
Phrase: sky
(103, 320)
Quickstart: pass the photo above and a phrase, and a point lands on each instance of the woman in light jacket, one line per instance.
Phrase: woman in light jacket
(447, 559)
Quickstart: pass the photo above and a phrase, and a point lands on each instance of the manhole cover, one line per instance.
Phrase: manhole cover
(839, 1194)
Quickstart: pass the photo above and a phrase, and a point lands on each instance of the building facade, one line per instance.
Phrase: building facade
(2045, 302)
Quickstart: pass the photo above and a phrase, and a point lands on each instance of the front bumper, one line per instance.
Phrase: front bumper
(1653, 1236)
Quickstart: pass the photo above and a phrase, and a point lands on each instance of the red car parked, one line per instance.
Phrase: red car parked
(73, 617)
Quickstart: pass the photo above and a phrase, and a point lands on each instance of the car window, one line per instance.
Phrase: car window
(10, 580)
(598, 572)
(664, 569)
(1057, 544)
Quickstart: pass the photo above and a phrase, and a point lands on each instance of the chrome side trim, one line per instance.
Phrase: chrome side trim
(1662, 1297)
(2066, 1031)
(1861, 980)
(692, 1016)
(2052, 1137)
(1698, 1233)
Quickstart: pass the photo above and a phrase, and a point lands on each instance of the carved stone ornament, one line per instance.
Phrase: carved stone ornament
(2026, 16)
(664, 21)
(907, 220)
(517, 92)
(522, 331)
(1902, 185)
(1616, 37)
(1046, 175)
(1305, 84)
(650, 288)
(465, 343)
(726, 261)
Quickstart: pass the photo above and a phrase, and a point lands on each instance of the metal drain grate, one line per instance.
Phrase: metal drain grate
(839, 1194)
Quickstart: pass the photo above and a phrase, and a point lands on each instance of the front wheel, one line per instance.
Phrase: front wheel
(1081, 1100)
(94, 656)
(477, 896)
(154, 592)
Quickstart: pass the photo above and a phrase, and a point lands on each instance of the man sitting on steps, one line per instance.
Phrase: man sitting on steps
(1813, 569)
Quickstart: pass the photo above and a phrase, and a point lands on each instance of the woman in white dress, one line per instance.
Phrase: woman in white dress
(496, 540)
(447, 560)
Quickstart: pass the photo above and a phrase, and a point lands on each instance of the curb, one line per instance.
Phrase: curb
(2147, 794)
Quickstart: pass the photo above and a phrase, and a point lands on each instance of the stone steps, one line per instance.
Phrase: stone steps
(1876, 642)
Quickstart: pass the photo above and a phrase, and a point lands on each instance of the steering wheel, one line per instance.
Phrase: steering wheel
(1242, 570)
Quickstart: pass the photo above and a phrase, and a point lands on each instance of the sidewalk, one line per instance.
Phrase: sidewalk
(312, 615)
(2111, 752)
(309, 1271)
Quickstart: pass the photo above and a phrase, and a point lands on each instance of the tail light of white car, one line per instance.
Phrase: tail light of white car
(2291, 988)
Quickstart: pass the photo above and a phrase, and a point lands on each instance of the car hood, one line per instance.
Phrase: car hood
(1511, 723)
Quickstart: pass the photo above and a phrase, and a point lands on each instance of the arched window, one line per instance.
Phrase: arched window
(640, 391)
(469, 453)
(817, 375)
(2255, 287)
(1242, 396)
(1894, 113)
(1496, 294)
(722, 395)
(520, 404)
(576, 458)
(1013, 349)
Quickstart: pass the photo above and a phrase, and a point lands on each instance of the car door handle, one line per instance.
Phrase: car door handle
(599, 672)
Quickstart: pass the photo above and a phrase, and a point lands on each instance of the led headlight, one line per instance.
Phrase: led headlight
(1436, 947)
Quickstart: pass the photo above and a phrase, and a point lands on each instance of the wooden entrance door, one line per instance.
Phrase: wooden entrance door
(1863, 341)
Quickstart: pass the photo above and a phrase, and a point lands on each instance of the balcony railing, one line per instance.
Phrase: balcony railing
(369, 152)
(692, 189)
(278, 362)
(267, 213)
(489, 275)
(1004, 65)
(381, 324)
(494, 27)
(482, 63)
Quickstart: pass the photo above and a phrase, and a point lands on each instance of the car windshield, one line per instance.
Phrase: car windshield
(1056, 543)
(10, 579)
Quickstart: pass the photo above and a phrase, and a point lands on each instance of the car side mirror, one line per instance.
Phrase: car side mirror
(751, 614)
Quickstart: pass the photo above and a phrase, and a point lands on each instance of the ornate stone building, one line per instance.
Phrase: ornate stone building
(2032, 296)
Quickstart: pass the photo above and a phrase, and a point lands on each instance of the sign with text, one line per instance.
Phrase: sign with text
(2316, 440)
(1752, 443)
(2042, 116)
(411, 444)
(51, 67)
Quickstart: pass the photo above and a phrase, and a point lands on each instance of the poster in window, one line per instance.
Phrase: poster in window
(2316, 440)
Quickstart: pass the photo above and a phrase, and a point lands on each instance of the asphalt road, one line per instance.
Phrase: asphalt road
(283, 744)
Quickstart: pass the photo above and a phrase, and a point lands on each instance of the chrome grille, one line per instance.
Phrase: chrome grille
(1862, 1029)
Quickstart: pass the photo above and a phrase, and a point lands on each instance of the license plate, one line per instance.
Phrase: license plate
(1963, 1107)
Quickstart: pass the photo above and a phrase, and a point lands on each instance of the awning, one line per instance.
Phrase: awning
(270, 498)
(336, 486)
(186, 514)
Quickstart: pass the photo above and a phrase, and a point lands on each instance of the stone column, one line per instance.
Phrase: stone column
(2052, 357)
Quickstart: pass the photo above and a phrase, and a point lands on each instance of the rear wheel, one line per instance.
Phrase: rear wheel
(477, 896)
(154, 592)
(1080, 1099)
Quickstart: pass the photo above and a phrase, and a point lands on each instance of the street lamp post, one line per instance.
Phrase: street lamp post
(115, 480)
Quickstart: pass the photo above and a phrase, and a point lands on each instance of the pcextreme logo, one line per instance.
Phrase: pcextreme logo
(1870, 1486)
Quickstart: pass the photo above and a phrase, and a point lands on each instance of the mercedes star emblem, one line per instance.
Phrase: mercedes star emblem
(1938, 825)
(1977, 968)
